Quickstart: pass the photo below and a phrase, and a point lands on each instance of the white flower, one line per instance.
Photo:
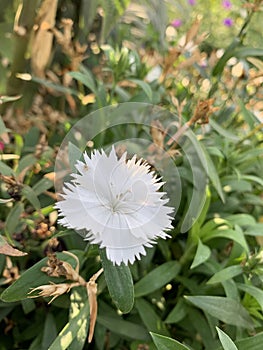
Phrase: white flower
(117, 203)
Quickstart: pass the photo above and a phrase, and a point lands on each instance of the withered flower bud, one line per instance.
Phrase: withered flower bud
(49, 290)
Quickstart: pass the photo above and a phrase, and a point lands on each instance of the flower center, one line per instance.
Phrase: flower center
(118, 200)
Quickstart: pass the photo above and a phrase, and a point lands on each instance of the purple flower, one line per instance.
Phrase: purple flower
(176, 23)
(191, 2)
(228, 22)
(226, 4)
(2, 146)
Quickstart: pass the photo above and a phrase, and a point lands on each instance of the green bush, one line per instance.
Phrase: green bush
(200, 289)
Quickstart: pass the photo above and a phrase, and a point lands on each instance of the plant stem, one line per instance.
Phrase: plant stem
(23, 25)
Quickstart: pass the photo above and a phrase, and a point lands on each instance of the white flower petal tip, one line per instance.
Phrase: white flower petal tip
(117, 202)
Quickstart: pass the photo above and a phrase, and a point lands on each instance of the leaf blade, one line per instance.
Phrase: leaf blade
(225, 340)
(202, 254)
(165, 343)
(225, 309)
(157, 278)
(119, 282)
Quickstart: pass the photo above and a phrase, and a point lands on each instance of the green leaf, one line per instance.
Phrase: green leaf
(26, 162)
(231, 290)
(241, 219)
(231, 184)
(3, 128)
(50, 332)
(225, 340)
(249, 117)
(202, 217)
(213, 174)
(30, 195)
(202, 254)
(225, 274)
(243, 52)
(13, 218)
(113, 9)
(177, 313)
(28, 305)
(224, 232)
(157, 278)
(229, 52)
(126, 329)
(145, 86)
(165, 343)
(225, 309)
(34, 277)
(235, 50)
(88, 12)
(78, 298)
(86, 78)
(4, 311)
(254, 291)
(56, 87)
(251, 343)
(6, 170)
(253, 179)
(203, 326)
(42, 186)
(71, 329)
(223, 132)
(150, 318)
(36, 343)
(254, 230)
(119, 282)
(212, 225)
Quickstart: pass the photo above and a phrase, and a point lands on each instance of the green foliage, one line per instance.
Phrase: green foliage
(165, 343)
(201, 289)
(119, 282)
(225, 340)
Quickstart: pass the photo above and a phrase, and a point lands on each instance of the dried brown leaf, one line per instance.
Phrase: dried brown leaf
(92, 294)
(192, 32)
(157, 133)
(43, 38)
(7, 249)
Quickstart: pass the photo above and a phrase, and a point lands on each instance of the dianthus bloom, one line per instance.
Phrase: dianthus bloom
(226, 4)
(176, 23)
(118, 204)
(228, 22)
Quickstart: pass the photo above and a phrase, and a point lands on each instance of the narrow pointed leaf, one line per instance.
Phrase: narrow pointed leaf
(202, 254)
(125, 328)
(145, 86)
(165, 343)
(254, 291)
(119, 282)
(30, 195)
(70, 331)
(150, 318)
(225, 340)
(251, 343)
(13, 218)
(157, 278)
(225, 309)
(226, 274)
